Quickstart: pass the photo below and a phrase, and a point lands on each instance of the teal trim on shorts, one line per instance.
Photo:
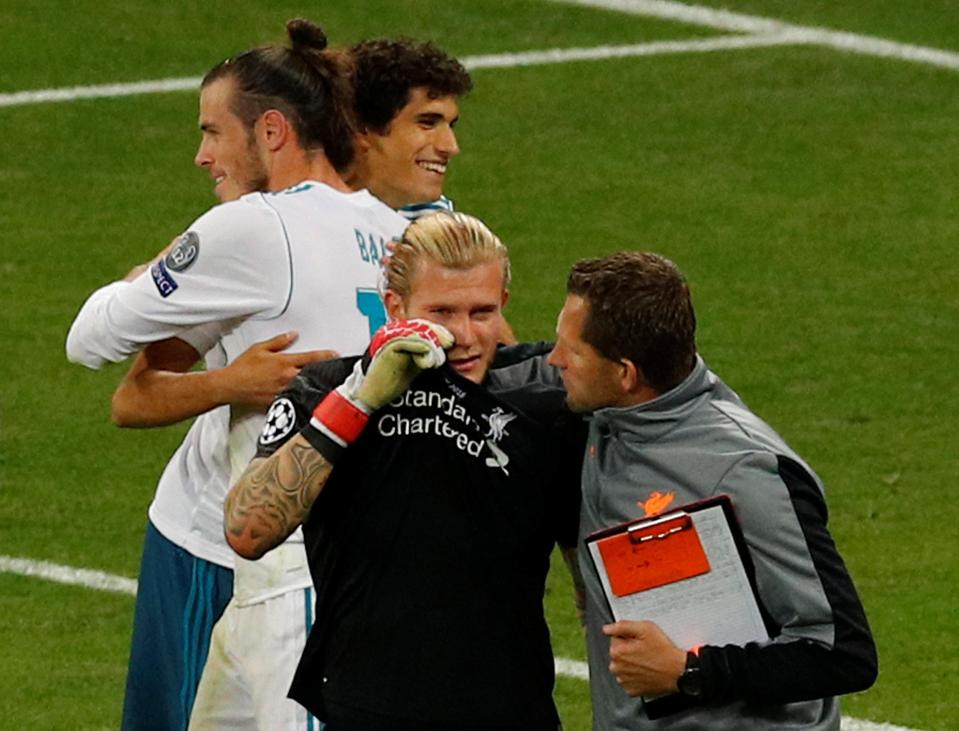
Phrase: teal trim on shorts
(179, 598)
(311, 722)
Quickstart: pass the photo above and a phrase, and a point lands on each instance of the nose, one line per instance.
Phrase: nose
(446, 143)
(462, 329)
(203, 158)
(553, 359)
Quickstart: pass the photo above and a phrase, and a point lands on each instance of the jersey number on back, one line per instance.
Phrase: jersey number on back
(370, 305)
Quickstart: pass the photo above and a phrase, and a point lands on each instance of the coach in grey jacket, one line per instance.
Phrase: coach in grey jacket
(666, 431)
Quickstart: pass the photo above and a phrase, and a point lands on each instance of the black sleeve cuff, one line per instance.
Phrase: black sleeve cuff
(330, 450)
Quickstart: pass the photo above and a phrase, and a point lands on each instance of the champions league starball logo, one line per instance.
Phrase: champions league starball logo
(279, 421)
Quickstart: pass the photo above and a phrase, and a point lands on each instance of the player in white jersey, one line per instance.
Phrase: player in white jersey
(242, 265)
(406, 104)
(187, 508)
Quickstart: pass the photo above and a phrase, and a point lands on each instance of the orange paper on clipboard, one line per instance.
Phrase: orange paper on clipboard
(652, 555)
(689, 571)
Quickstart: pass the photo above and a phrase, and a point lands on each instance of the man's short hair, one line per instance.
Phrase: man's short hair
(639, 309)
(308, 82)
(386, 71)
(452, 240)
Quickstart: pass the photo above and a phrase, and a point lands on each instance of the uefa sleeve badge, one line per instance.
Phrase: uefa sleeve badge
(184, 252)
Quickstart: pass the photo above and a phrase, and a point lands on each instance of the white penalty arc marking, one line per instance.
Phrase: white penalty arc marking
(739, 22)
(101, 581)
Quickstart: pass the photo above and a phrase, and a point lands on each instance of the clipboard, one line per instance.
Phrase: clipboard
(651, 554)
(688, 571)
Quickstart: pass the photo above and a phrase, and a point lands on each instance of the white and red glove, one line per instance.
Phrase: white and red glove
(399, 351)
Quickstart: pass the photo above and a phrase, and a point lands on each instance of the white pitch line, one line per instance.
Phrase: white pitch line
(764, 32)
(656, 48)
(73, 93)
(68, 575)
(684, 13)
(99, 580)
(571, 668)
(501, 60)
(726, 20)
(855, 724)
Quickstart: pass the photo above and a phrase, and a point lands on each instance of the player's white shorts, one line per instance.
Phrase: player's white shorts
(254, 652)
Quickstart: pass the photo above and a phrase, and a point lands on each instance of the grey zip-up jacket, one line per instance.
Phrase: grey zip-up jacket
(693, 442)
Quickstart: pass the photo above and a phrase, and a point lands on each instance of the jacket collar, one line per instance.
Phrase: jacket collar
(650, 420)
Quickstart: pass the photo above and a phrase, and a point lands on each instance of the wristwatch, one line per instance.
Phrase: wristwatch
(690, 682)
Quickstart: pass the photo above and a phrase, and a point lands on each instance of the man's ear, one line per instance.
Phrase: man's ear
(630, 376)
(273, 129)
(505, 298)
(395, 307)
(362, 139)
(634, 383)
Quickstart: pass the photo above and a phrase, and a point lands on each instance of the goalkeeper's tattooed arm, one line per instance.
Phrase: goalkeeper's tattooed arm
(273, 496)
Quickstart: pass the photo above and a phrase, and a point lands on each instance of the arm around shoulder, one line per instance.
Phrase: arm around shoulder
(157, 390)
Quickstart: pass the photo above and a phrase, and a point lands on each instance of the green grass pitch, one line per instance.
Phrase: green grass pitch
(809, 195)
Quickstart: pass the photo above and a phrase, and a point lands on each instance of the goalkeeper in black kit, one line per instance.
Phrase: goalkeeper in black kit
(432, 478)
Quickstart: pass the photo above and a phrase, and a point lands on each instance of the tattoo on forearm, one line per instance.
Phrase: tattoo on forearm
(275, 494)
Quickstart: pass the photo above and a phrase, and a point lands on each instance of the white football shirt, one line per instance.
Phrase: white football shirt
(305, 259)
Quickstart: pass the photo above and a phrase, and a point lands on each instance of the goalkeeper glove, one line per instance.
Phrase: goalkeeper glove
(399, 351)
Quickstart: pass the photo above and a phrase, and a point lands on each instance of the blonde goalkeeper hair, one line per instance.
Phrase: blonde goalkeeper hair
(452, 240)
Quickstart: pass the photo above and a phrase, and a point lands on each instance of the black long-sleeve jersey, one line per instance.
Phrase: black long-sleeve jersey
(429, 547)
